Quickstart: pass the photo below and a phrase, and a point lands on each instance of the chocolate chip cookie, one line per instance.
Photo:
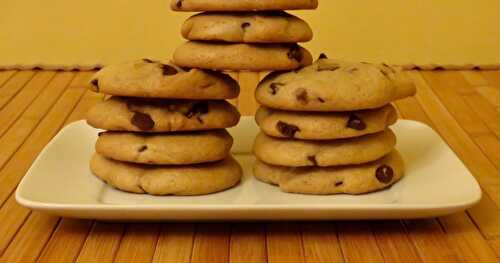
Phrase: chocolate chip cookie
(254, 57)
(157, 115)
(298, 153)
(324, 125)
(331, 85)
(351, 179)
(241, 5)
(165, 148)
(247, 27)
(152, 79)
(167, 180)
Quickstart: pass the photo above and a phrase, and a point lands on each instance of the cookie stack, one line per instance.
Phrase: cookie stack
(165, 129)
(243, 35)
(325, 128)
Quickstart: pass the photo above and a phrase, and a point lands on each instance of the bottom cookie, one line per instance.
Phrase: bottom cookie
(352, 179)
(167, 180)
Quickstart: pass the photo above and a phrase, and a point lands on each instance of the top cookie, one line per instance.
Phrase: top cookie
(241, 5)
(150, 79)
(332, 85)
(246, 27)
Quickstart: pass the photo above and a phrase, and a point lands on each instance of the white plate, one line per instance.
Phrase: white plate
(436, 183)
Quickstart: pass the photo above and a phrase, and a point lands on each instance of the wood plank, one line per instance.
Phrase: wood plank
(393, 242)
(487, 112)
(465, 239)
(248, 244)
(247, 103)
(486, 215)
(102, 243)
(320, 242)
(26, 96)
(447, 85)
(12, 216)
(19, 163)
(474, 77)
(409, 108)
(493, 77)
(31, 239)
(480, 166)
(211, 243)
(490, 145)
(490, 93)
(5, 75)
(358, 243)
(66, 242)
(175, 243)
(495, 245)
(14, 85)
(17, 134)
(138, 243)
(88, 100)
(284, 243)
(430, 241)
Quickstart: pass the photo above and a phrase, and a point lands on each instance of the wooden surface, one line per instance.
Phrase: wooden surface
(464, 107)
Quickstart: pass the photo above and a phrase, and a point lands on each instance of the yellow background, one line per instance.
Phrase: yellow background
(61, 33)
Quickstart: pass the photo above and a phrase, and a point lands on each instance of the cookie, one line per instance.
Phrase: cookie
(331, 85)
(255, 27)
(167, 180)
(241, 5)
(298, 153)
(324, 125)
(254, 57)
(156, 115)
(163, 149)
(151, 79)
(352, 179)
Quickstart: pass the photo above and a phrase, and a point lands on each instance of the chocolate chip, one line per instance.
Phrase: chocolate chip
(95, 83)
(245, 25)
(168, 70)
(200, 120)
(313, 160)
(179, 3)
(356, 123)
(384, 174)
(143, 148)
(321, 100)
(337, 184)
(323, 56)
(274, 87)
(147, 60)
(301, 95)
(295, 53)
(286, 129)
(197, 108)
(142, 121)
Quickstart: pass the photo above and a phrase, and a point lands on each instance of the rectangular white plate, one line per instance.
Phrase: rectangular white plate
(436, 183)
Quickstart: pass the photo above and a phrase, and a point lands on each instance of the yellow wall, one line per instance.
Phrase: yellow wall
(61, 32)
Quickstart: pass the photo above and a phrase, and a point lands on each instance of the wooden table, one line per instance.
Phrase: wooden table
(464, 107)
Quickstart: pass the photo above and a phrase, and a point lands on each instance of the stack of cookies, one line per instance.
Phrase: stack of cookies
(325, 128)
(164, 129)
(243, 35)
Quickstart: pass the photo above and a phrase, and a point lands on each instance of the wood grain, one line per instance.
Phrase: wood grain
(14, 85)
(321, 243)
(175, 243)
(102, 243)
(393, 242)
(284, 243)
(211, 243)
(138, 243)
(5, 75)
(248, 243)
(358, 242)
